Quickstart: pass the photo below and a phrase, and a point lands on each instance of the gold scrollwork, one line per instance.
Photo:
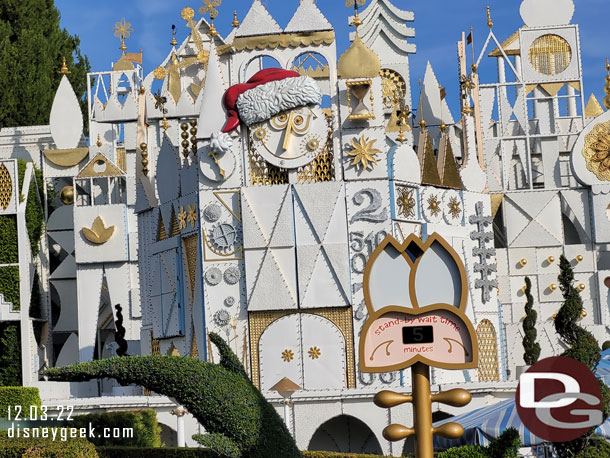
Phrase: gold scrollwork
(597, 151)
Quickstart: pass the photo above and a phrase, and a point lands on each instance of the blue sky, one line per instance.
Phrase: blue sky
(438, 25)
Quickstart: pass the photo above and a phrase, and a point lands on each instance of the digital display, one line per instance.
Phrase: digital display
(417, 335)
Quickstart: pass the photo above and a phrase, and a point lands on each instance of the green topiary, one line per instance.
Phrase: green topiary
(218, 442)
(146, 429)
(10, 355)
(317, 454)
(9, 285)
(9, 253)
(582, 347)
(598, 447)
(467, 451)
(138, 452)
(606, 345)
(531, 347)
(46, 448)
(34, 213)
(220, 396)
(12, 396)
(506, 445)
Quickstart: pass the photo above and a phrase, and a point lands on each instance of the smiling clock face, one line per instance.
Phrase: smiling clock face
(292, 138)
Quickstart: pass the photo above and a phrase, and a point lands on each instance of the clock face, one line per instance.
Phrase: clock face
(292, 138)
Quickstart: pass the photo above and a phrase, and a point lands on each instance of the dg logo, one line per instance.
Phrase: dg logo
(559, 399)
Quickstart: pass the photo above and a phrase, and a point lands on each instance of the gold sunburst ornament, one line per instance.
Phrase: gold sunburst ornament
(314, 353)
(455, 209)
(287, 355)
(406, 202)
(364, 153)
(434, 205)
(122, 31)
(597, 151)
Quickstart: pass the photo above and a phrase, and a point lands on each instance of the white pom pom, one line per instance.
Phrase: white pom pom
(221, 142)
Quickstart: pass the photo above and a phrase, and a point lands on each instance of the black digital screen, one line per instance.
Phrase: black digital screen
(417, 335)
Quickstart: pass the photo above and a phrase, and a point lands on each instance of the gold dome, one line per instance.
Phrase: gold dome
(359, 62)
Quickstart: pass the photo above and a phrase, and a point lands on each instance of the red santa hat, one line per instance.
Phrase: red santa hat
(268, 93)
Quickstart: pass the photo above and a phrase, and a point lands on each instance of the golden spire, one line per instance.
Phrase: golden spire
(490, 24)
(64, 68)
(99, 141)
(210, 7)
(122, 30)
(173, 42)
(235, 20)
(607, 87)
(355, 4)
(420, 108)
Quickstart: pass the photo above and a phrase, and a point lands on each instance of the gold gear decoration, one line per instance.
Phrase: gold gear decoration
(597, 151)
(364, 153)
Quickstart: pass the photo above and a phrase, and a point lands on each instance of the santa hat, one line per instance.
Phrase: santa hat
(268, 93)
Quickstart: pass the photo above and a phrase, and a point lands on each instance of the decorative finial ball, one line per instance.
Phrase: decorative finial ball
(67, 195)
(607, 102)
(188, 14)
(143, 146)
(541, 13)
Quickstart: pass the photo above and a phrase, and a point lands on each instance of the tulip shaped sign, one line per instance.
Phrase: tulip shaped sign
(416, 296)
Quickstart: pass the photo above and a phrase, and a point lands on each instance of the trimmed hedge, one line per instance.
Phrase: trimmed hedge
(34, 214)
(146, 430)
(8, 248)
(46, 448)
(11, 396)
(131, 452)
(339, 455)
(10, 354)
(467, 451)
(220, 396)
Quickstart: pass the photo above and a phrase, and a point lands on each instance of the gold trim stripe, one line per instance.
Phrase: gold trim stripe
(283, 40)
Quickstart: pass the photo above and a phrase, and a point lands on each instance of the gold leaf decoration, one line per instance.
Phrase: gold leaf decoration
(364, 153)
(6, 187)
(192, 214)
(98, 233)
(597, 151)
(182, 219)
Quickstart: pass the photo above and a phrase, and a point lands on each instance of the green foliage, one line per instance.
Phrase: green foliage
(606, 345)
(34, 214)
(135, 452)
(504, 446)
(146, 430)
(467, 451)
(11, 396)
(598, 448)
(338, 455)
(10, 357)
(582, 347)
(531, 347)
(219, 396)
(32, 45)
(8, 248)
(35, 299)
(218, 443)
(9, 285)
(46, 448)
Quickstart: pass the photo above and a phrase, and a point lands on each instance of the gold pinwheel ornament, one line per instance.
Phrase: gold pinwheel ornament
(364, 153)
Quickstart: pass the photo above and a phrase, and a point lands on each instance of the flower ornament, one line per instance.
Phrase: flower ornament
(424, 322)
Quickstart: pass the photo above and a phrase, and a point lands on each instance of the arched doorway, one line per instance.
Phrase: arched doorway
(345, 434)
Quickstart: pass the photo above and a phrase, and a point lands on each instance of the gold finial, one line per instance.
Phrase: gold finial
(122, 30)
(64, 68)
(420, 109)
(144, 150)
(235, 20)
(403, 113)
(355, 4)
(173, 42)
(210, 7)
(422, 124)
(99, 141)
(490, 24)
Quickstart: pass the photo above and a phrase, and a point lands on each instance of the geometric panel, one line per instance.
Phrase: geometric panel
(267, 217)
(8, 187)
(535, 219)
(271, 279)
(488, 352)
(166, 295)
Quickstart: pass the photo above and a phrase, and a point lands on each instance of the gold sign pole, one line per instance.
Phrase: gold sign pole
(422, 408)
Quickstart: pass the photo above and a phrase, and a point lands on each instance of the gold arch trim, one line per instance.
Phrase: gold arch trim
(283, 40)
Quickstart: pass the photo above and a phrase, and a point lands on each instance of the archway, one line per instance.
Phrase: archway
(345, 434)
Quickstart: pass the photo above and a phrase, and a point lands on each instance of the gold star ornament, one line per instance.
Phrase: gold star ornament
(434, 205)
(455, 209)
(364, 153)
(287, 355)
(314, 353)
(406, 202)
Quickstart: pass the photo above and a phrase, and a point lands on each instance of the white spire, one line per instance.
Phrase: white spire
(431, 102)
(308, 18)
(213, 114)
(258, 21)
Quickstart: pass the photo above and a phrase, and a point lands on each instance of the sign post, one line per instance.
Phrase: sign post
(424, 326)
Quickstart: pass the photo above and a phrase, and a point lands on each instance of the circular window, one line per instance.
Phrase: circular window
(550, 54)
